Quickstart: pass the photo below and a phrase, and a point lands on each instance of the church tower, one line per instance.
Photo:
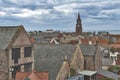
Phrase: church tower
(79, 25)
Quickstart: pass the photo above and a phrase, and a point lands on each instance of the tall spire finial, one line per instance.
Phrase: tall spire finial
(78, 15)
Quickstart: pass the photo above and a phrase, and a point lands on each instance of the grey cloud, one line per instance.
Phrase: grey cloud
(59, 13)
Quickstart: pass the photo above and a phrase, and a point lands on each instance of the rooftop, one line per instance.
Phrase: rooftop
(32, 75)
(6, 35)
(88, 49)
(109, 74)
(88, 72)
(50, 57)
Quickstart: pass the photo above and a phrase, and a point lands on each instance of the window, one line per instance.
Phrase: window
(15, 54)
(27, 51)
(28, 67)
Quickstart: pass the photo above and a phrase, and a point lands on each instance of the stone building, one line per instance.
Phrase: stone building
(61, 61)
(79, 25)
(92, 57)
(16, 51)
(64, 60)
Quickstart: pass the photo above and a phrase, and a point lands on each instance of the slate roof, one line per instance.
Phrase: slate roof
(88, 49)
(76, 77)
(6, 35)
(107, 61)
(50, 57)
(88, 72)
(109, 74)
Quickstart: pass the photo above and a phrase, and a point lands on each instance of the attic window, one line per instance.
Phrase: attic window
(27, 52)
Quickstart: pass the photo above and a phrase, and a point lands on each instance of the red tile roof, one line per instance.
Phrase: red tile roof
(32, 75)
(115, 45)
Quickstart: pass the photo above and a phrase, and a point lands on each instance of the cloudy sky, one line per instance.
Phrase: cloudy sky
(61, 14)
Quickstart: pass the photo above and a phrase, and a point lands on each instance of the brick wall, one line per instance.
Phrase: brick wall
(98, 60)
(89, 63)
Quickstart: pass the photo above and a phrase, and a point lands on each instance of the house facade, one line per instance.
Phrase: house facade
(17, 51)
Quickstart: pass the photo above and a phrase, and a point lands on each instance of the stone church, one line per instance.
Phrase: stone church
(78, 25)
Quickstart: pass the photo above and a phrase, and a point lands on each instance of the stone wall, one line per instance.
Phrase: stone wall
(3, 65)
(21, 40)
(64, 71)
(77, 60)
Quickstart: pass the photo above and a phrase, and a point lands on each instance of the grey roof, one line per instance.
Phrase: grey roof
(88, 49)
(88, 72)
(6, 35)
(50, 57)
(107, 61)
(109, 74)
(76, 77)
(115, 71)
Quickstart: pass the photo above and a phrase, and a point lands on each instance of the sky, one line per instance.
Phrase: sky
(60, 14)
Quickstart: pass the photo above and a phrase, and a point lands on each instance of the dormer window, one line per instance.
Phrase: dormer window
(27, 52)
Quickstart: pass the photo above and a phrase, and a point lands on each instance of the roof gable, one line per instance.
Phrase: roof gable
(10, 34)
(21, 38)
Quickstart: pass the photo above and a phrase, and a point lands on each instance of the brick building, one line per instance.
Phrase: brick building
(92, 57)
(16, 51)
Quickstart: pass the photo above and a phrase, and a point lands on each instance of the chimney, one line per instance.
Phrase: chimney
(114, 62)
(90, 42)
(65, 58)
(96, 42)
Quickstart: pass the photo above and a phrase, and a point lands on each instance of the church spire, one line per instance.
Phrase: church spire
(78, 15)
(79, 25)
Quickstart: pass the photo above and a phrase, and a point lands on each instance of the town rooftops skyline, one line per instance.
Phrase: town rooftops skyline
(57, 15)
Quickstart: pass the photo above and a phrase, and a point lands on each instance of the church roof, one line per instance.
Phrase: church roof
(50, 57)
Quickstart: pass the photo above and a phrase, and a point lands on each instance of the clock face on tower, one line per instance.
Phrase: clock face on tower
(78, 25)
